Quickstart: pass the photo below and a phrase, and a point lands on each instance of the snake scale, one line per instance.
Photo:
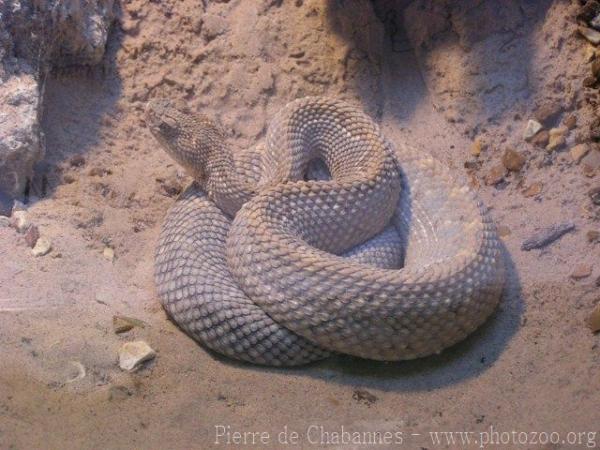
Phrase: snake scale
(326, 238)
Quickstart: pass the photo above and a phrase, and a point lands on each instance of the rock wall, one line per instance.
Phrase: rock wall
(35, 36)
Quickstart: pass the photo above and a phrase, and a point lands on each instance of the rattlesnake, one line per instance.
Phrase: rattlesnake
(390, 258)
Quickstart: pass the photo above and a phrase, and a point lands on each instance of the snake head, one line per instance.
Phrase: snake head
(187, 137)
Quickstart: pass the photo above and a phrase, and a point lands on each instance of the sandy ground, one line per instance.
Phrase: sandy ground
(533, 367)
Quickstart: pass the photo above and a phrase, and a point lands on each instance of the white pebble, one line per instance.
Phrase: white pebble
(132, 354)
(42, 247)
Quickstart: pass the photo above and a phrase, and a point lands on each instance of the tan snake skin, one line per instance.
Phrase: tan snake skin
(387, 257)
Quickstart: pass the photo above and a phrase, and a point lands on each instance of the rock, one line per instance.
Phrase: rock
(558, 137)
(533, 189)
(503, 230)
(531, 129)
(37, 36)
(541, 139)
(588, 172)
(4, 222)
(594, 195)
(20, 133)
(476, 147)
(77, 161)
(578, 152)
(363, 396)
(593, 319)
(590, 53)
(581, 271)
(109, 254)
(548, 113)
(42, 247)
(570, 122)
(513, 160)
(495, 175)
(546, 236)
(593, 236)
(68, 178)
(133, 354)
(20, 221)
(73, 34)
(591, 35)
(31, 235)
(99, 172)
(591, 161)
(122, 324)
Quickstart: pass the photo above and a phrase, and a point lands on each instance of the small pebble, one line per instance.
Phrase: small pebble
(42, 247)
(476, 147)
(533, 189)
(495, 175)
(531, 129)
(541, 139)
(590, 53)
(20, 221)
(513, 160)
(589, 81)
(588, 172)
(133, 354)
(122, 324)
(99, 172)
(593, 236)
(591, 161)
(591, 35)
(581, 271)
(557, 138)
(547, 113)
(593, 319)
(77, 161)
(547, 236)
(570, 121)
(578, 152)
(109, 254)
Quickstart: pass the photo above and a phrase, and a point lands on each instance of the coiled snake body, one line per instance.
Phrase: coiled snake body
(385, 257)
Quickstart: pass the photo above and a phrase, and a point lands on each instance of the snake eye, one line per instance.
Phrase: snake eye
(168, 126)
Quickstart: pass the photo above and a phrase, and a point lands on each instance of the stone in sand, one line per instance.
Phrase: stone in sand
(133, 354)
(531, 129)
(547, 236)
(42, 247)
